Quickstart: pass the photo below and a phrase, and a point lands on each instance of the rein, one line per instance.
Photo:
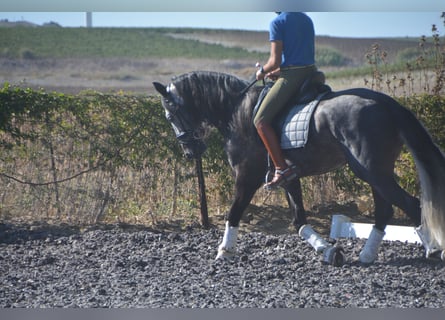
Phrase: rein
(247, 88)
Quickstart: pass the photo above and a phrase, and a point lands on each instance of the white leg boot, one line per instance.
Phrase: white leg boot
(331, 254)
(227, 248)
(371, 248)
(431, 246)
(313, 238)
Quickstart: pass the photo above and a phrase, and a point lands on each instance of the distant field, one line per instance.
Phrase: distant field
(54, 42)
(73, 59)
(25, 42)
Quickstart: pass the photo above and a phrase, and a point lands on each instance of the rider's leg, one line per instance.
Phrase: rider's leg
(270, 140)
(277, 98)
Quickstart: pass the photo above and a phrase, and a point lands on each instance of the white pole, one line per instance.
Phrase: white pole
(89, 19)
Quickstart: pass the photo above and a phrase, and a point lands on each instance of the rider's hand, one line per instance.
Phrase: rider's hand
(274, 75)
(260, 75)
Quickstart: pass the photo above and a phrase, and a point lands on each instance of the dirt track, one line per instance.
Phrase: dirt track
(112, 266)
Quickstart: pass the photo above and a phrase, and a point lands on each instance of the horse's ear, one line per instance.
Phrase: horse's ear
(161, 89)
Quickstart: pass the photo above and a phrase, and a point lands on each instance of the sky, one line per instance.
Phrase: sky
(335, 24)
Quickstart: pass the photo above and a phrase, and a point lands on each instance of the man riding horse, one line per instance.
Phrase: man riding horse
(291, 61)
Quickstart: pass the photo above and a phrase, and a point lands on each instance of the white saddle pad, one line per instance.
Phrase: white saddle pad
(295, 125)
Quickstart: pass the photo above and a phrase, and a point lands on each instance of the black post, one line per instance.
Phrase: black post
(202, 194)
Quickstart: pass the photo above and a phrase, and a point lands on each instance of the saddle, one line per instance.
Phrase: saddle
(313, 86)
(292, 123)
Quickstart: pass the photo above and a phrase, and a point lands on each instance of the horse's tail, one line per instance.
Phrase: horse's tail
(430, 164)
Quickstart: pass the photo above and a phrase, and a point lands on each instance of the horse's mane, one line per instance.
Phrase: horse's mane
(226, 81)
(218, 97)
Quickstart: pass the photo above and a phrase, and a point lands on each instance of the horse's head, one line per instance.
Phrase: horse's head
(188, 128)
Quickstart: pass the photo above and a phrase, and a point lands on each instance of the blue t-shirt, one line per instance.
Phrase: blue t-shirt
(296, 31)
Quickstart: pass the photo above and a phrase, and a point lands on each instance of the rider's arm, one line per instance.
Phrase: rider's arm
(274, 62)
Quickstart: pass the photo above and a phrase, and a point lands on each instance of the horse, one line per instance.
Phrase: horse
(362, 128)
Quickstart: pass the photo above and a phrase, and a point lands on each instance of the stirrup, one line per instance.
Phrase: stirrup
(281, 178)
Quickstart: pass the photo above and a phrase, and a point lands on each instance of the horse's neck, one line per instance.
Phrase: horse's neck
(218, 113)
(220, 117)
(239, 120)
(222, 101)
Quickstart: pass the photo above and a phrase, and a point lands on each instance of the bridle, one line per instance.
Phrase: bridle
(184, 136)
(186, 133)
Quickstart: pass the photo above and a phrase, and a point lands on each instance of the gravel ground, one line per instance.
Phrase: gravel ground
(121, 266)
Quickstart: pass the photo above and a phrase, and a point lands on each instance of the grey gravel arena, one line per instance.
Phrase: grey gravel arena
(114, 266)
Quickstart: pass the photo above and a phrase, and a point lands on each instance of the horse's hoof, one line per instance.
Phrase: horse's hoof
(334, 256)
(435, 254)
(224, 254)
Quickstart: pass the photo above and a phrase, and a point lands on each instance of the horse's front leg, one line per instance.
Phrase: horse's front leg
(331, 254)
(244, 192)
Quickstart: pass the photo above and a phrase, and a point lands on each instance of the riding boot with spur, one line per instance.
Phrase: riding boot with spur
(283, 173)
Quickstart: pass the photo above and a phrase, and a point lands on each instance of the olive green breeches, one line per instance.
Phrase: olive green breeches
(283, 89)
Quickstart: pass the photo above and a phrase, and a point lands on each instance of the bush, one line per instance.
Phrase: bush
(408, 54)
(325, 56)
(86, 158)
(27, 54)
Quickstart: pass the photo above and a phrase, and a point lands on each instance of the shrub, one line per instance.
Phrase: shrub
(84, 158)
(326, 56)
(27, 54)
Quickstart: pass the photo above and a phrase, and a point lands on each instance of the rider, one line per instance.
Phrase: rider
(291, 60)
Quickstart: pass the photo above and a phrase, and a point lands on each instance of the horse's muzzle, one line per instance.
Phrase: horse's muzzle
(194, 150)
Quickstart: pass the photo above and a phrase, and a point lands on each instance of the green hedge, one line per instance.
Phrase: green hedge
(84, 158)
(327, 56)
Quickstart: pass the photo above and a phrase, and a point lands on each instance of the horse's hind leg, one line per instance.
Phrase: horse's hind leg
(383, 212)
(386, 193)
(411, 206)
(295, 201)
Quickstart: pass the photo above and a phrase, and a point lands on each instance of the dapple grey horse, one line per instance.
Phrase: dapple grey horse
(359, 127)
